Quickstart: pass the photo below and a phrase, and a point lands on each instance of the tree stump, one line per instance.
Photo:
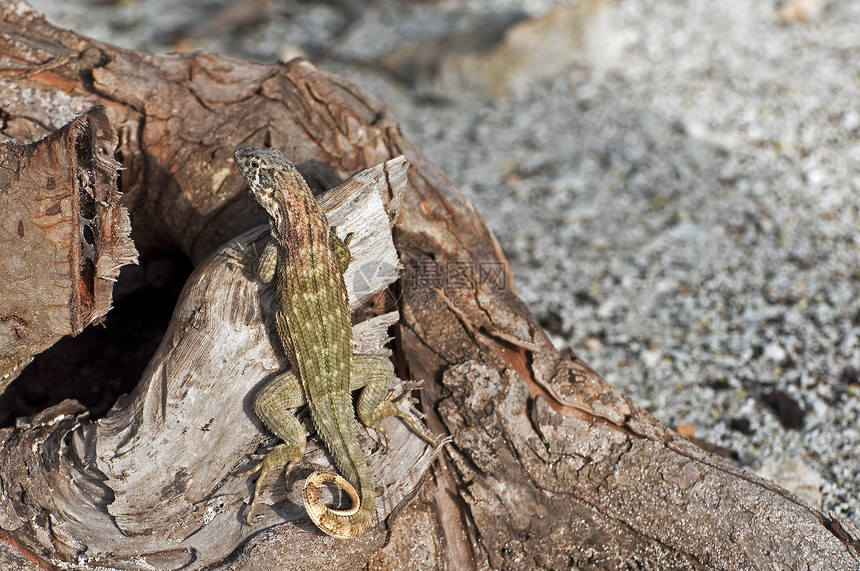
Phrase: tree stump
(549, 466)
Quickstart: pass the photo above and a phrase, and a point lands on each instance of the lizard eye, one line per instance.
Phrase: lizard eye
(254, 164)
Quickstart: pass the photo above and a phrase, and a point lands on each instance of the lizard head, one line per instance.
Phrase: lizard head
(262, 169)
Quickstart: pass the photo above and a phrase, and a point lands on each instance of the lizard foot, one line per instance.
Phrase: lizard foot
(243, 258)
(273, 460)
(389, 407)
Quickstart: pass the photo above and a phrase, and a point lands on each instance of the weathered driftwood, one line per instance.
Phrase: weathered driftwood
(64, 237)
(549, 467)
(154, 482)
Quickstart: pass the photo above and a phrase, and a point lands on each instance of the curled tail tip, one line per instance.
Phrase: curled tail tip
(337, 523)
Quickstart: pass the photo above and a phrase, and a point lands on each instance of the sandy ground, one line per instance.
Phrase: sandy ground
(679, 204)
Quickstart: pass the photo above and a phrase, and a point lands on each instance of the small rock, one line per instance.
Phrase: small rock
(815, 177)
(795, 476)
(650, 358)
(686, 430)
(526, 51)
(851, 121)
(775, 353)
(289, 52)
(798, 10)
(787, 410)
(742, 425)
(723, 141)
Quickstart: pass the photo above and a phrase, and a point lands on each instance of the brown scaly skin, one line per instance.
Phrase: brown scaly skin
(312, 318)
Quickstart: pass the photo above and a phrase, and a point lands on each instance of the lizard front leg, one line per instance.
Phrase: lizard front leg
(261, 267)
(272, 405)
(340, 249)
(374, 373)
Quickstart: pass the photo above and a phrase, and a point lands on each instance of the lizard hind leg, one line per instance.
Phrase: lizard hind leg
(272, 404)
(374, 373)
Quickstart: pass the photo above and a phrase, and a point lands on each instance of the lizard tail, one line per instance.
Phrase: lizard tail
(337, 523)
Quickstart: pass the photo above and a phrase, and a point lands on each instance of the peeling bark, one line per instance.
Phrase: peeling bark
(63, 238)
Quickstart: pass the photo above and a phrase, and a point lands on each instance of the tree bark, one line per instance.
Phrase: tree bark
(63, 239)
(549, 466)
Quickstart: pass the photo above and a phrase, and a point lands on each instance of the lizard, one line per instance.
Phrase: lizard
(307, 259)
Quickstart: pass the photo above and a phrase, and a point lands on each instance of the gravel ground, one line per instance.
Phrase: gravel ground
(681, 210)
